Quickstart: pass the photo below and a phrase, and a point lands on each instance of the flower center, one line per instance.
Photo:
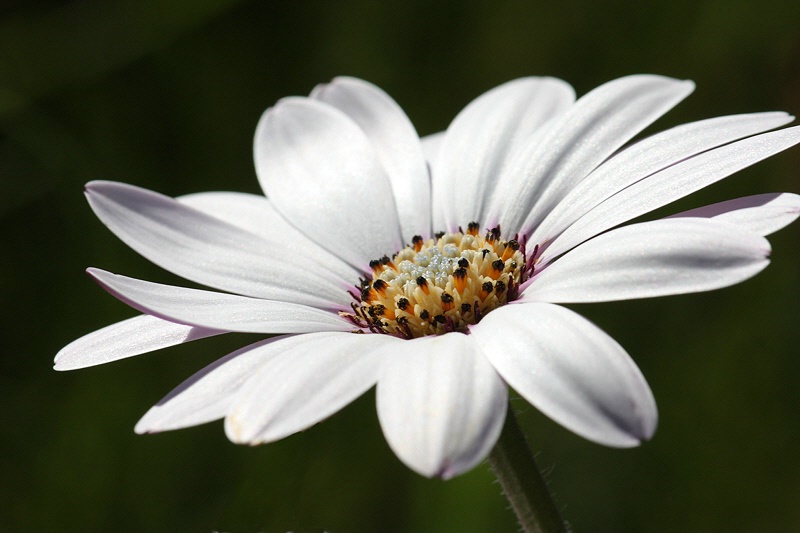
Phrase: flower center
(440, 285)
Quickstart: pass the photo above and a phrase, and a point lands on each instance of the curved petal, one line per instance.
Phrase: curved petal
(311, 380)
(209, 393)
(206, 250)
(216, 310)
(570, 370)
(134, 336)
(761, 214)
(659, 258)
(583, 137)
(481, 140)
(396, 143)
(647, 157)
(321, 173)
(254, 213)
(432, 146)
(441, 404)
(673, 183)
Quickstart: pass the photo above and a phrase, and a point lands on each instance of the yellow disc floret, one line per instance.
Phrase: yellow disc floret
(440, 285)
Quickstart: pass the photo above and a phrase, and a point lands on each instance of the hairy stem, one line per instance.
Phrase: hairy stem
(523, 485)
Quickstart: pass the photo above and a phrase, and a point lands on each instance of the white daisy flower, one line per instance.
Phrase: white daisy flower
(434, 268)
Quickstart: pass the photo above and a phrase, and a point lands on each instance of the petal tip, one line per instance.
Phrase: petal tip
(448, 471)
(236, 431)
(64, 361)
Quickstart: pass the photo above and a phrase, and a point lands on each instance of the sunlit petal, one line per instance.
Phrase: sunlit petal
(761, 214)
(134, 336)
(322, 173)
(311, 379)
(396, 144)
(216, 310)
(659, 258)
(441, 404)
(571, 371)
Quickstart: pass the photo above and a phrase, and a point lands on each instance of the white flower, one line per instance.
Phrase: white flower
(450, 321)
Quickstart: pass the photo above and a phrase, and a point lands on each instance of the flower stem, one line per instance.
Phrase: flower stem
(523, 485)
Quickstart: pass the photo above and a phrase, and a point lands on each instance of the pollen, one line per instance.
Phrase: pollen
(440, 285)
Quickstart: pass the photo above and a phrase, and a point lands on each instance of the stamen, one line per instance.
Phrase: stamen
(440, 285)
(423, 284)
(460, 278)
(497, 269)
(367, 294)
(380, 286)
(385, 261)
(447, 302)
(499, 287)
(511, 247)
(486, 288)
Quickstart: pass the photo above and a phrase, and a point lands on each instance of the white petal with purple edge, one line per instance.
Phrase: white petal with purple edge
(658, 258)
(311, 380)
(217, 310)
(570, 370)
(441, 404)
(256, 214)
(647, 157)
(396, 143)
(134, 336)
(204, 249)
(673, 183)
(762, 213)
(208, 394)
(579, 140)
(481, 140)
(322, 174)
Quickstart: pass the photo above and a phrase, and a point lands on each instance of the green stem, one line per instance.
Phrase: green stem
(523, 485)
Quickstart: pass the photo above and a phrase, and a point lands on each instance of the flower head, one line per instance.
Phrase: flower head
(434, 268)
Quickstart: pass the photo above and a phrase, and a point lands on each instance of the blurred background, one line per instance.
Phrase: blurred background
(166, 95)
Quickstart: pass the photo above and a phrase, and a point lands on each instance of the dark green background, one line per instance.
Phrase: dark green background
(166, 95)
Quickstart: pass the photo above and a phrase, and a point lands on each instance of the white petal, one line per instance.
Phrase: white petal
(311, 380)
(216, 310)
(481, 140)
(134, 336)
(208, 394)
(583, 137)
(396, 143)
(321, 173)
(570, 370)
(659, 258)
(441, 404)
(254, 213)
(207, 250)
(647, 157)
(673, 183)
(761, 214)
(432, 146)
